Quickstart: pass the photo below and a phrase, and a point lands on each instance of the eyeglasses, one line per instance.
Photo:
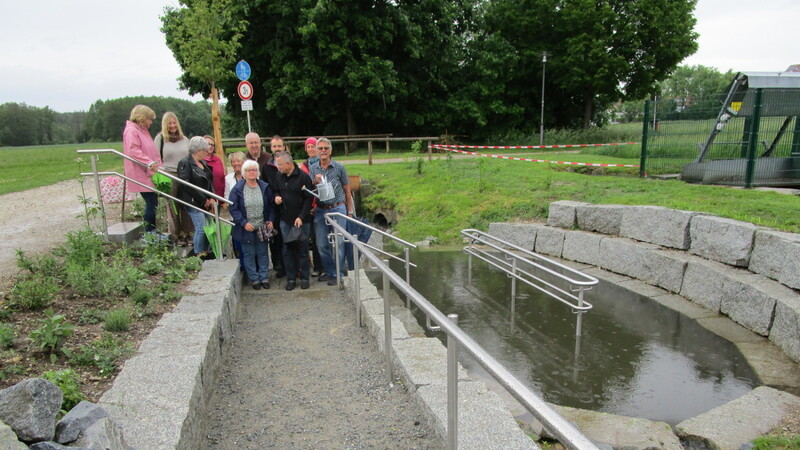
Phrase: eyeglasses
(323, 148)
(251, 170)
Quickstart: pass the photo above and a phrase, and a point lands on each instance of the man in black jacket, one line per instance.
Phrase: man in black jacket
(294, 204)
(269, 173)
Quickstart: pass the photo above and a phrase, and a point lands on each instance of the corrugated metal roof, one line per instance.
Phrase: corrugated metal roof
(772, 80)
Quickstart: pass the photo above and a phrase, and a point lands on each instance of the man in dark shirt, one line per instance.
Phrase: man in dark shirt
(253, 143)
(294, 204)
(269, 173)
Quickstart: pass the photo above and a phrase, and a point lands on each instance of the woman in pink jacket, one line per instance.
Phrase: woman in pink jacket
(138, 144)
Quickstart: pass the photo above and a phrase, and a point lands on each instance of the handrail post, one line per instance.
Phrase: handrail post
(219, 230)
(580, 313)
(357, 280)
(408, 275)
(452, 388)
(513, 289)
(335, 237)
(387, 326)
(93, 159)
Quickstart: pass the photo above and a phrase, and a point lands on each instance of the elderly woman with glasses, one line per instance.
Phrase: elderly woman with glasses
(254, 218)
(194, 170)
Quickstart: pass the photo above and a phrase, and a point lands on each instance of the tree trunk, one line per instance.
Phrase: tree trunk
(351, 127)
(215, 121)
(588, 102)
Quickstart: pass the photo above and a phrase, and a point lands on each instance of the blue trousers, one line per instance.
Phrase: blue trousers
(322, 230)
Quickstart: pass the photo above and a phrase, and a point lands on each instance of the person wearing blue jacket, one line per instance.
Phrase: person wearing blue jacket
(254, 220)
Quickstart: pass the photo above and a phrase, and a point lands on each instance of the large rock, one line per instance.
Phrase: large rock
(777, 255)
(77, 420)
(735, 424)
(604, 219)
(629, 433)
(657, 225)
(785, 331)
(563, 214)
(8, 439)
(30, 408)
(520, 234)
(103, 434)
(724, 240)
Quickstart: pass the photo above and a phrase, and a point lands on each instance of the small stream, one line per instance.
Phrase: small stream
(635, 357)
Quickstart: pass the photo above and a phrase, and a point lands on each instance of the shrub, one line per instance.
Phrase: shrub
(44, 264)
(55, 329)
(117, 320)
(192, 264)
(103, 277)
(69, 382)
(175, 275)
(90, 316)
(141, 296)
(33, 293)
(103, 354)
(7, 336)
(82, 247)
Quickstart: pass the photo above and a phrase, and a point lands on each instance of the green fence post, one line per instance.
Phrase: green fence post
(645, 124)
(795, 150)
(753, 141)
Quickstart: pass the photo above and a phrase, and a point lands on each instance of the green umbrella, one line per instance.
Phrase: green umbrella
(211, 234)
(164, 184)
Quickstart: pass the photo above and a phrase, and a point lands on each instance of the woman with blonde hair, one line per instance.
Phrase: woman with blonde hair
(173, 146)
(137, 144)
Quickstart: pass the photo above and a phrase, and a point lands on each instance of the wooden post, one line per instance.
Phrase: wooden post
(387, 146)
(215, 121)
(369, 152)
(346, 148)
(430, 151)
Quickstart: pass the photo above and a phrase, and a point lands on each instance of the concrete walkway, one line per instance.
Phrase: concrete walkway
(301, 373)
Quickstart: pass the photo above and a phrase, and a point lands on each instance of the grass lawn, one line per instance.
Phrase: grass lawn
(24, 168)
(452, 194)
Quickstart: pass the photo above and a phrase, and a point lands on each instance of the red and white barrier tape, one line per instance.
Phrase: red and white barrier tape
(442, 147)
(445, 147)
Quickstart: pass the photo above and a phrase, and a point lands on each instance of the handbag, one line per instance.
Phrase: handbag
(295, 235)
(265, 233)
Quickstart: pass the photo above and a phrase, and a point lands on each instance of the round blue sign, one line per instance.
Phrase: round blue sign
(243, 70)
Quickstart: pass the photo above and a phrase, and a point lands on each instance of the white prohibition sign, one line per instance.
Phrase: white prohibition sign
(245, 90)
(247, 105)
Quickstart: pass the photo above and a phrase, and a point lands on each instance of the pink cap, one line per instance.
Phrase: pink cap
(311, 140)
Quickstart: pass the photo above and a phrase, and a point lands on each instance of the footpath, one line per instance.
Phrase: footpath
(301, 373)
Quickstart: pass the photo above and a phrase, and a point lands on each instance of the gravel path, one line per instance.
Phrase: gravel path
(301, 373)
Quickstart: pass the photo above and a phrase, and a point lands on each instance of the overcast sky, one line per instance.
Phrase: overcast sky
(69, 54)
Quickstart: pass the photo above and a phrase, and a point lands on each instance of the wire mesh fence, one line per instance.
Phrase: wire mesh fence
(746, 138)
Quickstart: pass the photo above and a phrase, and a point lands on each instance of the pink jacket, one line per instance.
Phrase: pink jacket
(137, 143)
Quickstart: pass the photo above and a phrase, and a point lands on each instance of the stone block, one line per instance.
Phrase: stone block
(583, 247)
(785, 331)
(777, 255)
(102, 434)
(423, 362)
(657, 225)
(646, 262)
(482, 417)
(520, 234)
(719, 239)
(550, 241)
(604, 219)
(735, 424)
(630, 433)
(563, 214)
(746, 298)
(125, 232)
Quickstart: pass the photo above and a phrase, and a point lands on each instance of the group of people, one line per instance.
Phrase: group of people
(276, 217)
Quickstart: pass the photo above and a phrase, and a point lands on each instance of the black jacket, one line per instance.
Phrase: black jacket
(202, 178)
(296, 202)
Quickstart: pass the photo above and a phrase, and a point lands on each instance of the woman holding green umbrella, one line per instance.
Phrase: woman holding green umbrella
(193, 169)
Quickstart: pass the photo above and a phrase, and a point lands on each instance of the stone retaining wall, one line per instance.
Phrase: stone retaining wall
(751, 274)
(161, 396)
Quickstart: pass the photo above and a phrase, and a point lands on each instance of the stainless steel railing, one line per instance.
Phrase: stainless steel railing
(93, 157)
(457, 339)
(513, 263)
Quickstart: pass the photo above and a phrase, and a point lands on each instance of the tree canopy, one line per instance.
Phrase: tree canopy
(467, 66)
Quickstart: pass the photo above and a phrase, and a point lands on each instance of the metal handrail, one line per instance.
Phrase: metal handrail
(557, 425)
(93, 155)
(510, 265)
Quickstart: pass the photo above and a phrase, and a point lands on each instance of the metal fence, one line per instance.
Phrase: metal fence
(749, 140)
